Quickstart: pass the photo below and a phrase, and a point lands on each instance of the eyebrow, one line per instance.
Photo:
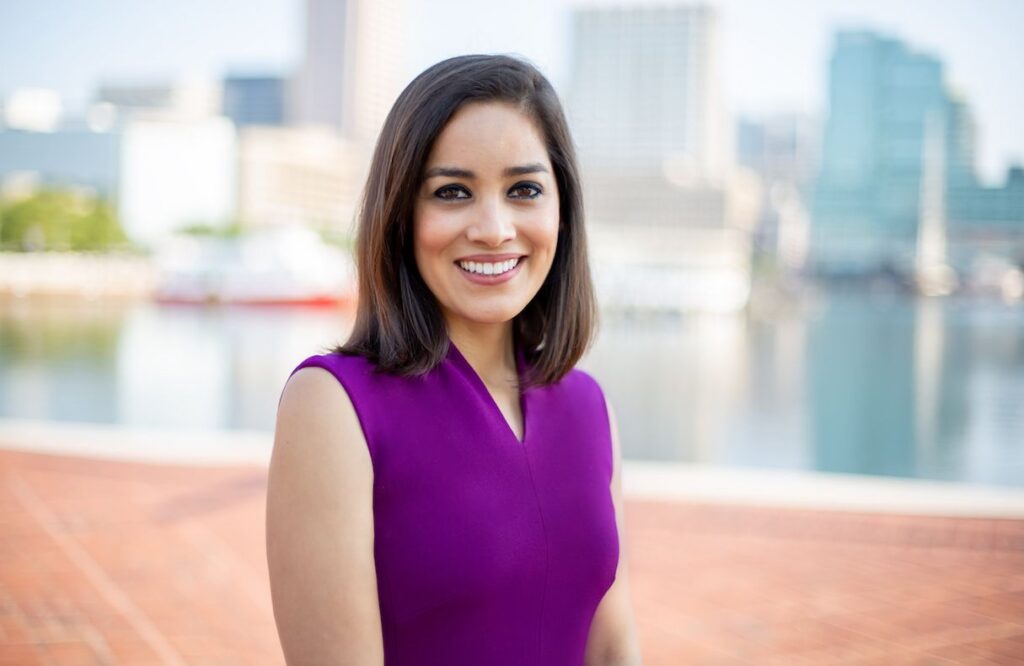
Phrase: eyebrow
(456, 172)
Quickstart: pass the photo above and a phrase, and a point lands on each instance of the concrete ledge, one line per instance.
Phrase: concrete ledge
(817, 490)
(152, 445)
(656, 481)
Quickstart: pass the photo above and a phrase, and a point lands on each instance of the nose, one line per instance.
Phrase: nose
(493, 225)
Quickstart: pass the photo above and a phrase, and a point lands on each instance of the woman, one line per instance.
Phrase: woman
(444, 487)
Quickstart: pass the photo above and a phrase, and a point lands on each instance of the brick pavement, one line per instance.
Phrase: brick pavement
(128, 563)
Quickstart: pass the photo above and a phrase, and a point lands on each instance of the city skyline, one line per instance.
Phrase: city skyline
(62, 45)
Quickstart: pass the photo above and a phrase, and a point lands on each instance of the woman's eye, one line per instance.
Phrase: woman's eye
(525, 191)
(452, 192)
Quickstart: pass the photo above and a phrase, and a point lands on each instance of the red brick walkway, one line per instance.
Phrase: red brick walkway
(126, 563)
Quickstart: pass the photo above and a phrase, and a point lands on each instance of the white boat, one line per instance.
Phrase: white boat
(275, 266)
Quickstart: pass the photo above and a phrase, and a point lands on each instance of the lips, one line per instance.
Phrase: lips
(482, 278)
(490, 258)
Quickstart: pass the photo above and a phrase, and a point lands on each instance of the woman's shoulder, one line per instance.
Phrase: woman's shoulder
(317, 385)
(317, 407)
(318, 378)
(348, 387)
(581, 382)
(338, 364)
(578, 392)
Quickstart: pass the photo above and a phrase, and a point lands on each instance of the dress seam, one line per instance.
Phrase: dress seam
(547, 558)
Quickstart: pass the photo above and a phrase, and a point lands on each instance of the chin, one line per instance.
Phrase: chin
(489, 316)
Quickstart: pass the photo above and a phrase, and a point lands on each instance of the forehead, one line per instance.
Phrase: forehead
(481, 133)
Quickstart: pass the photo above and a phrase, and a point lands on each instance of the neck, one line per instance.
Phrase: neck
(487, 347)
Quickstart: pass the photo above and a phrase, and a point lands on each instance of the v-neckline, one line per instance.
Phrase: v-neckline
(481, 387)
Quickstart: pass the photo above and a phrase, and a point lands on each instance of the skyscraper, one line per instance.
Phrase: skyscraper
(867, 197)
(351, 71)
(898, 168)
(646, 86)
(303, 175)
(671, 219)
(254, 100)
(977, 211)
(647, 114)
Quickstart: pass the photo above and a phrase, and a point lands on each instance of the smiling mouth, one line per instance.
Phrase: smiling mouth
(501, 272)
(490, 269)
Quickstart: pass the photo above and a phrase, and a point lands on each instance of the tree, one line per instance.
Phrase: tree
(60, 220)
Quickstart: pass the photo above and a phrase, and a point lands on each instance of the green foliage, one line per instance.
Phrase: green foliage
(60, 220)
(236, 229)
(233, 230)
(337, 238)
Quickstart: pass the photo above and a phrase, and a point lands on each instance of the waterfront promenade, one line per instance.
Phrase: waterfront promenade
(109, 561)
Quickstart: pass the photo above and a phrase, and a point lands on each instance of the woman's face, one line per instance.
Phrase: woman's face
(485, 223)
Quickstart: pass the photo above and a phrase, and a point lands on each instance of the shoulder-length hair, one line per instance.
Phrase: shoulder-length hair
(399, 326)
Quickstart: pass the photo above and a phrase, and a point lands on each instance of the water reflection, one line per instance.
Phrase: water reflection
(147, 365)
(57, 360)
(861, 386)
(853, 382)
(877, 384)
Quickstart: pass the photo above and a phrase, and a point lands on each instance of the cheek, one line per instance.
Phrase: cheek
(430, 236)
(543, 231)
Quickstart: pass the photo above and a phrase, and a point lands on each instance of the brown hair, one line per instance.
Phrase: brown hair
(399, 326)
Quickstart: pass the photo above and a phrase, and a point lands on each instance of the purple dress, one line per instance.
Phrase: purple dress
(489, 550)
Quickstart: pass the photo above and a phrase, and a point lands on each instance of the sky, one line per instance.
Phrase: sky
(774, 54)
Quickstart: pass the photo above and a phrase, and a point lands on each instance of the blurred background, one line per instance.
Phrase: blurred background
(806, 220)
(806, 225)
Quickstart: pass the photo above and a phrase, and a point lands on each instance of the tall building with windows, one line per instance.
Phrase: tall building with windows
(868, 192)
(254, 100)
(898, 151)
(671, 218)
(646, 111)
(351, 70)
(299, 175)
(646, 87)
(974, 208)
(963, 131)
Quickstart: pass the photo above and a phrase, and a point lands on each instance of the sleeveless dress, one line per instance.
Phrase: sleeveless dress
(489, 550)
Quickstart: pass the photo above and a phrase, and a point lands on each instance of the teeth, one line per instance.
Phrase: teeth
(489, 269)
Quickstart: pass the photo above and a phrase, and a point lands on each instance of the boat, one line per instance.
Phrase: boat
(287, 265)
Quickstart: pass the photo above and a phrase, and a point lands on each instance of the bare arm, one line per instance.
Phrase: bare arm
(613, 637)
(320, 527)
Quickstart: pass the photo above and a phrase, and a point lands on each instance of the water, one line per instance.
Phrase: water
(873, 384)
